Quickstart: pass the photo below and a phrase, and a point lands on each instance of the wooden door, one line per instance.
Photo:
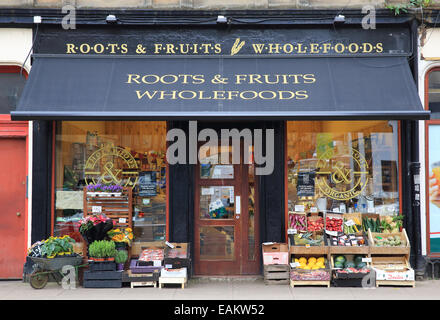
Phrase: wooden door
(12, 213)
(226, 220)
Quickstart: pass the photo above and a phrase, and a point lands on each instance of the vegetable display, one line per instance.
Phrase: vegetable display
(315, 225)
(390, 241)
(391, 224)
(298, 222)
(372, 224)
(333, 224)
(308, 238)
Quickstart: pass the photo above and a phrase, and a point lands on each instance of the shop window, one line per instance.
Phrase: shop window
(343, 166)
(11, 85)
(139, 164)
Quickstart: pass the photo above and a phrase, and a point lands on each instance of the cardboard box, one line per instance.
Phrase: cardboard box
(275, 253)
(393, 268)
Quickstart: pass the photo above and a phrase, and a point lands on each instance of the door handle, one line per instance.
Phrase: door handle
(18, 214)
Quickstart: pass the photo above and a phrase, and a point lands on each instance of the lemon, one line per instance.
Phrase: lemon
(321, 259)
(315, 267)
(296, 260)
(312, 260)
(302, 260)
(319, 264)
(307, 268)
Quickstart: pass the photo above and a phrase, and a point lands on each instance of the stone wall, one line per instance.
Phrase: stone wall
(203, 4)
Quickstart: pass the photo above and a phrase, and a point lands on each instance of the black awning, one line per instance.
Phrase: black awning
(165, 88)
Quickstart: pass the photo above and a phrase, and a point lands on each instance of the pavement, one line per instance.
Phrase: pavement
(234, 289)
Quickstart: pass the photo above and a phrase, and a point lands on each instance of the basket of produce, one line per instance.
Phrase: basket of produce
(312, 268)
(298, 221)
(389, 243)
(334, 222)
(315, 238)
(350, 266)
(315, 223)
(371, 221)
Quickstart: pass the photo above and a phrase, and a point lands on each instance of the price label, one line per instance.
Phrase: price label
(292, 231)
(294, 264)
(332, 233)
(299, 208)
(366, 260)
(307, 245)
(122, 220)
(336, 210)
(313, 209)
(157, 263)
(349, 223)
(96, 209)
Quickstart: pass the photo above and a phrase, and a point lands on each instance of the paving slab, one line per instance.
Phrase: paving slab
(221, 290)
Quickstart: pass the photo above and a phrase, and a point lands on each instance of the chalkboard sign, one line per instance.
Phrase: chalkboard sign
(305, 186)
(147, 184)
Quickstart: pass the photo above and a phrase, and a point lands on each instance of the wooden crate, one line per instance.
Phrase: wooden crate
(182, 281)
(404, 249)
(118, 208)
(350, 249)
(143, 284)
(273, 274)
(302, 214)
(393, 270)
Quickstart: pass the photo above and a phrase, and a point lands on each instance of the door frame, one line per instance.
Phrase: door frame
(20, 130)
(241, 172)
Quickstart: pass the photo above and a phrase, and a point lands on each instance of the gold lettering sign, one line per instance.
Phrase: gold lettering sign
(342, 175)
(237, 46)
(111, 165)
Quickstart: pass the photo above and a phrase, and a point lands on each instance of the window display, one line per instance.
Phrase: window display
(116, 153)
(343, 167)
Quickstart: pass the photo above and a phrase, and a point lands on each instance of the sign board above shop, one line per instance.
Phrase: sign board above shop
(248, 74)
(203, 41)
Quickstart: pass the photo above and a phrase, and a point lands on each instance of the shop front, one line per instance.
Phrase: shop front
(220, 133)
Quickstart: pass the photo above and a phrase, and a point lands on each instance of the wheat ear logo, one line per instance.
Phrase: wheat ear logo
(237, 46)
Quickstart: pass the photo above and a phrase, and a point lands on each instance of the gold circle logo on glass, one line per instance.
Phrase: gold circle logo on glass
(342, 175)
(111, 165)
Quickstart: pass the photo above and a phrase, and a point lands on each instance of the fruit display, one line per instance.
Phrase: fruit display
(308, 238)
(333, 223)
(348, 264)
(312, 263)
(297, 222)
(352, 240)
(388, 241)
(310, 269)
(315, 224)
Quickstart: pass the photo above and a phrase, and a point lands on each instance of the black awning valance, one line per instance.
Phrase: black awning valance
(164, 88)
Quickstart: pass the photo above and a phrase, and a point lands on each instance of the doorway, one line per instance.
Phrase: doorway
(12, 198)
(226, 237)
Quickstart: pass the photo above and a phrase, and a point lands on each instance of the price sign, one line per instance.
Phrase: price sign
(299, 208)
(122, 220)
(291, 231)
(366, 260)
(313, 209)
(96, 209)
(349, 223)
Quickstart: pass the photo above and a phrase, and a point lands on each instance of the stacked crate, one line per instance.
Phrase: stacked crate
(276, 263)
(102, 275)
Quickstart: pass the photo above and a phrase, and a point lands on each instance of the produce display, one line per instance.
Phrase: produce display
(391, 224)
(346, 265)
(353, 240)
(372, 224)
(311, 263)
(311, 269)
(390, 241)
(351, 226)
(298, 222)
(315, 224)
(334, 224)
(308, 238)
